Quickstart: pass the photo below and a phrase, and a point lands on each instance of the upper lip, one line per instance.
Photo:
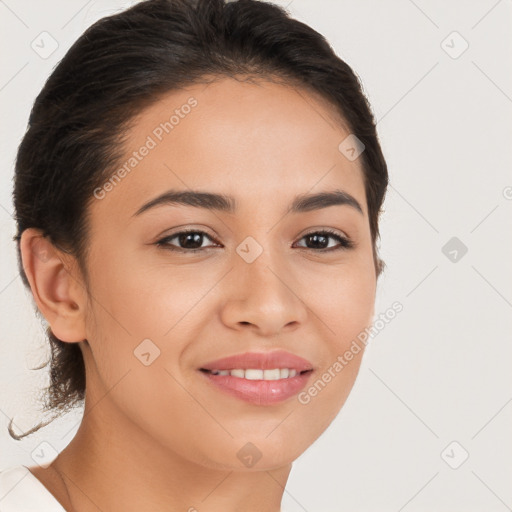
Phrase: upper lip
(260, 361)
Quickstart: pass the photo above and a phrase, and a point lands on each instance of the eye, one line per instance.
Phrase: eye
(191, 241)
(320, 240)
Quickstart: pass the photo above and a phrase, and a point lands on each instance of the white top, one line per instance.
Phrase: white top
(21, 491)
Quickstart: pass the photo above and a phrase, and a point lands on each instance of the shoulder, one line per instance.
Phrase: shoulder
(21, 491)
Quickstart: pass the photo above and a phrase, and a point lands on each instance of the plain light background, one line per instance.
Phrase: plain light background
(435, 384)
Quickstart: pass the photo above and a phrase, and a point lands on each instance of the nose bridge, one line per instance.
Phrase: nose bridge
(261, 265)
(263, 294)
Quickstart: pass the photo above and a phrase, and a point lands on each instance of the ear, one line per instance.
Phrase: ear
(57, 286)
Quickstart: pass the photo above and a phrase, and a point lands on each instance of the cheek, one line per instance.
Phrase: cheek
(351, 304)
(343, 303)
(143, 314)
(137, 300)
(342, 297)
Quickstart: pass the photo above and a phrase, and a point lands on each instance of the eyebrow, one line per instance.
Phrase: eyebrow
(227, 204)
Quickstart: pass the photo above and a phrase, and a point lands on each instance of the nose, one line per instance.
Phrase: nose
(263, 297)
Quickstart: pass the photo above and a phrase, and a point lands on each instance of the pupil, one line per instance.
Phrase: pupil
(316, 238)
(198, 242)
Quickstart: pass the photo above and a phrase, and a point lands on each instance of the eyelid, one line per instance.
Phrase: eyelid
(187, 228)
(320, 229)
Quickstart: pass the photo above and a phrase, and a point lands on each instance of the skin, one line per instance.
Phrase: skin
(160, 437)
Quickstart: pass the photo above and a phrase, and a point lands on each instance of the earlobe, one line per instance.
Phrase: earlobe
(57, 289)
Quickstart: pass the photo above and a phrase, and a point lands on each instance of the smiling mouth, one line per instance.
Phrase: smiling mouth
(258, 374)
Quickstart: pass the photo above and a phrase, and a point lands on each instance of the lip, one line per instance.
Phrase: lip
(260, 361)
(259, 392)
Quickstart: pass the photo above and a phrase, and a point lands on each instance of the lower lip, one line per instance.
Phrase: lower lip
(260, 392)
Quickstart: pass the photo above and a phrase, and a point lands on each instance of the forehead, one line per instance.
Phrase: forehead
(257, 141)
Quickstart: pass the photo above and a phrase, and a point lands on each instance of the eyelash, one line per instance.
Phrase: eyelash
(344, 243)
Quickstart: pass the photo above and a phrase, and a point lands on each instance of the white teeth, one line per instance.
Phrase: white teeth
(256, 374)
(253, 374)
(274, 374)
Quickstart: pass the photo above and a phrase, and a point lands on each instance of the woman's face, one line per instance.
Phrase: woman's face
(259, 281)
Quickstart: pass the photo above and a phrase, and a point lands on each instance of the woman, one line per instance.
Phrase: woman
(197, 201)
